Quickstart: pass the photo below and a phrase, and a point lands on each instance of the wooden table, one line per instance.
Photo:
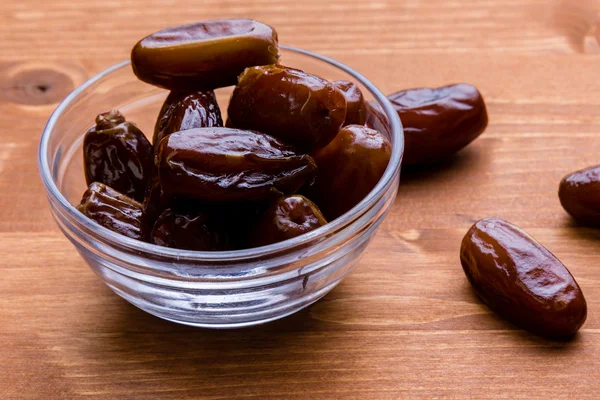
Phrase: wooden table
(405, 323)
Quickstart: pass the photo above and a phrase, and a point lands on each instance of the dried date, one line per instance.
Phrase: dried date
(579, 195)
(356, 108)
(521, 280)
(288, 217)
(113, 210)
(299, 108)
(118, 154)
(184, 111)
(189, 230)
(230, 165)
(349, 168)
(439, 122)
(203, 55)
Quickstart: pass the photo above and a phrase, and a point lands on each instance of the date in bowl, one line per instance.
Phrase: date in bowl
(220, 289)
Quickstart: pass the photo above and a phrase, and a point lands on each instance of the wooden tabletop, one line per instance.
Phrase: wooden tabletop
(404, 323)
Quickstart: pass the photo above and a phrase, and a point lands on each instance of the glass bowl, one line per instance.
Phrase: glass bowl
(208, 289)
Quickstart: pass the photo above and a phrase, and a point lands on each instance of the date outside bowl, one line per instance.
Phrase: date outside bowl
(224, 289)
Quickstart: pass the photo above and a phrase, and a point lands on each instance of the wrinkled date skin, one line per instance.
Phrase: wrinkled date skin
(521, 280)
(287, 218)
(118, 154)
(183, 111)
(439, 122)
(299, 108)
(204, 55)
(579, 195)
(113, 210)
(356, 108)
(230, 165)
(349, 168)
(189, 230)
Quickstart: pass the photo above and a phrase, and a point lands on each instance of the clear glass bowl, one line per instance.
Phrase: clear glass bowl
(208, 289)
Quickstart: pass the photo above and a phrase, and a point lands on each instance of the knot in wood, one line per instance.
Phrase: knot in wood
(36, 86)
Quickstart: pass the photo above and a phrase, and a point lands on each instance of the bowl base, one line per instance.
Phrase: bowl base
(291, 309)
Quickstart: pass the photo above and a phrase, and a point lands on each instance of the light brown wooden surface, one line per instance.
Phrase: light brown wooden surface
(405, 323)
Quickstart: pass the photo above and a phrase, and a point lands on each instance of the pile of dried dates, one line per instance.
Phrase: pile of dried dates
(295, 152)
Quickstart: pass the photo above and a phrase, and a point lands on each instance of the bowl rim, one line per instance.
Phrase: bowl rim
(120, 241)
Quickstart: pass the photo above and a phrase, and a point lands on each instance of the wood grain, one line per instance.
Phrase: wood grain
(405, 323)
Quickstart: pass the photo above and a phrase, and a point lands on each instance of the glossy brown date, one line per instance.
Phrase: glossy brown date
(112, 210)
(439, 122)
(521, 280)
(183, 111)
(189, 230)
(230, 165)
(299, 108)
(118, 154)
(203, 55)
(579, 195)
(288, 217)
(356, 108)
(349, 168)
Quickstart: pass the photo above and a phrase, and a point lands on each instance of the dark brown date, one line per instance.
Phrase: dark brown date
(183, 111)
(521, 280)
(112, 210)
(299, 108)
(356, 108)
(579, 195)
(287, 218)
(230, 165)
(203, 55)
(349, 168)
(439, 122)
(117, 153)
(189, 230)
